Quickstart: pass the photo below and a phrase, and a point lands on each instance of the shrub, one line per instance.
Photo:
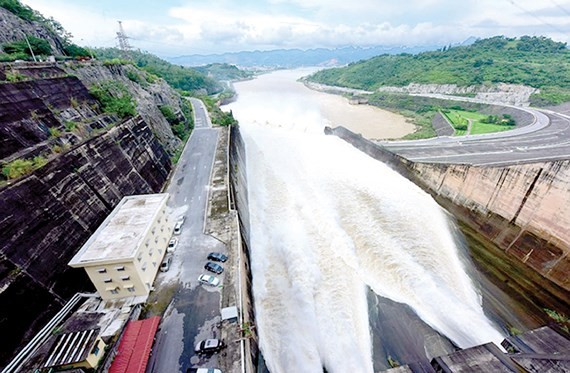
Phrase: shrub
(21, 167)
(14, 76)
(74, 50)
(168, 113)
(22, 11)
(70, 125)
(54, 132)
(39, 46)
(114, 98)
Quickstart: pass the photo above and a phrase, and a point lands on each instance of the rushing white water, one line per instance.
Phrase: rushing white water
(326, 221)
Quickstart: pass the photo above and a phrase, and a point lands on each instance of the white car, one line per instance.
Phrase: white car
(178, 228)
(208, 370)
(209, 346)
(172, 245)
(165, 265)
(209, 280)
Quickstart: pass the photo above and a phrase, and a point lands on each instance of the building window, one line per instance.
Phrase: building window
(107, 280)
(126, 278)
(147, 242)
(153, 230)
(144, 266)
(121, 268)
(160, 251)
(115, 291)
(139, 258)
(102, 270)
(156, 240)
(154, 264)
(131, 289)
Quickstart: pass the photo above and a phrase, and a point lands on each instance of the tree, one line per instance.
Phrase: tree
(39, 46)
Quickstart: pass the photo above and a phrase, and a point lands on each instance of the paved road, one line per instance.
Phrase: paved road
(548, 138)
(194, 312)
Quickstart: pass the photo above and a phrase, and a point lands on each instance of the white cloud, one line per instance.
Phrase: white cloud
(200, 26)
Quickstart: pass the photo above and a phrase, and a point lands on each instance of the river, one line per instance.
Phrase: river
(353, 265)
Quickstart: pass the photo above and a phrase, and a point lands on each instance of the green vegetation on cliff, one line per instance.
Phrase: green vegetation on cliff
(224, 71)
(533, 61)
(115, 98)
(179, 77)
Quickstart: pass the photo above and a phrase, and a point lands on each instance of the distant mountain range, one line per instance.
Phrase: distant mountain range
(291, 58)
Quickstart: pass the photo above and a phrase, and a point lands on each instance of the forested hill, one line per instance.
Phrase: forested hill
(533, 61)
(179, 77)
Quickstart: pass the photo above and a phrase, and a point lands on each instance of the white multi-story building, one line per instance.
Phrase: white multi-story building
(124, 254)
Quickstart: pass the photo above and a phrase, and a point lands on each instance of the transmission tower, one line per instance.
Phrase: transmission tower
(123, 41)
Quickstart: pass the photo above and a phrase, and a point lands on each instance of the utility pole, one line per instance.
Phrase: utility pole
(123, 40)
(30, 47)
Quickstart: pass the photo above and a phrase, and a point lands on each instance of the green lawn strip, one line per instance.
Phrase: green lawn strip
(459, 118)
(480, 128)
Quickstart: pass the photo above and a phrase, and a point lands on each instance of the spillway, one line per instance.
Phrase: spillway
(327, 222)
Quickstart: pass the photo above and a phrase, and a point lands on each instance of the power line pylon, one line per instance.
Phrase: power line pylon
(123, 41)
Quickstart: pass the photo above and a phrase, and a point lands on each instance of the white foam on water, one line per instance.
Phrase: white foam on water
(327, 220)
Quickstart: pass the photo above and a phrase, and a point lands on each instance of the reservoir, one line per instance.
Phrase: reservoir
(354, 267)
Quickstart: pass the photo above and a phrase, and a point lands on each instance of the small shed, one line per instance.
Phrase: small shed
(230, 314)
(135, 346)
(81, 349)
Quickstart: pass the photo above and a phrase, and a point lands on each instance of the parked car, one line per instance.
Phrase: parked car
(213, 267)
(208, 370)
(209, 280)
(172, 245)
(165, 265)
(177, 227)
(209, 346)
(217, 257)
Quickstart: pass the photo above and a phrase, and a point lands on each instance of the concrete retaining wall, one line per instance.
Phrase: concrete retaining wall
(239, 201)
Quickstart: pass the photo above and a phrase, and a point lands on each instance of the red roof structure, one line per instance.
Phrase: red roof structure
(135, 346)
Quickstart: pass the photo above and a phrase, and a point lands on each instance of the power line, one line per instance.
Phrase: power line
(537, 17)
(560, 7)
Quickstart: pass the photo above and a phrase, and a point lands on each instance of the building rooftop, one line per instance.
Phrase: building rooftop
(71, 348)
(120, 234)
(483, 358)
(543, 340)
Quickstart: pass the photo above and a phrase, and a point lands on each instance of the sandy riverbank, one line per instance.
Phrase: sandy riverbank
(371, 122)
(294, 104)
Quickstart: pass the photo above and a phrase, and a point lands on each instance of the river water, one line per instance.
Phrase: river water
(352, 264)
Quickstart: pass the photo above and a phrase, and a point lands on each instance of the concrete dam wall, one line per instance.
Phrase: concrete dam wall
(239, 202)
(532, 201)
(521, 208)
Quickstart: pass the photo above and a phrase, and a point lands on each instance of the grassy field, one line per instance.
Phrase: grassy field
(460, 121)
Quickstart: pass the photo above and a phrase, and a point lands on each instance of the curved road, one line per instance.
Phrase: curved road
(546, 139)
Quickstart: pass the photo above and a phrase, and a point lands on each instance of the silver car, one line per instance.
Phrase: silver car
(209, 280)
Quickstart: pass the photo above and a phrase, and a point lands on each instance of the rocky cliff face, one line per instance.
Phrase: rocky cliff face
(92, 159)
(149, 92)
(13, 28)
(49, 214)
(502, 93)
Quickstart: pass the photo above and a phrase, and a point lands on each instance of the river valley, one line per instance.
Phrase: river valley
(354, 267)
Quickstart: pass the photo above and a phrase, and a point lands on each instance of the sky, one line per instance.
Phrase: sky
(171, 28)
